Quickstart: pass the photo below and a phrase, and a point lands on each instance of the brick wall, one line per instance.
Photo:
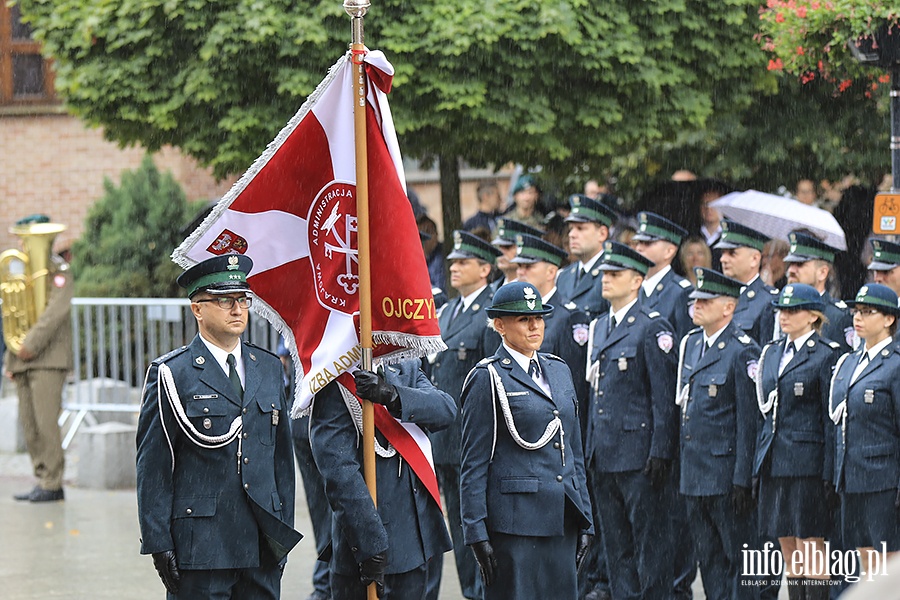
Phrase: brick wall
(55, 165)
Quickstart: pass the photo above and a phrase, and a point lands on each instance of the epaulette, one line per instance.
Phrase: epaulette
(486, 361)
(743, 338)
(833, 345)
(774, 291)
(840, 304)
(169, 355)
(553, 356)
(570, 305)
(684, 283)
(261, 348)
(653, 314)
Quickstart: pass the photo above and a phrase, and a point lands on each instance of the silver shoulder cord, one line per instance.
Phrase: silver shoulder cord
(839, 412)
(592, 371)
(166, 380)
(771, 401)
(498, 393)
(682, 393)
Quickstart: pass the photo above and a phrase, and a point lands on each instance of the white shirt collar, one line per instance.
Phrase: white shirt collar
(650, 283)
(798, 343)
(709, 341)
(874, 350)
(546, 299)
(587, 266)
(520, 358)
(222, 357)
(619, 315)
(468, 300)
(710, 236)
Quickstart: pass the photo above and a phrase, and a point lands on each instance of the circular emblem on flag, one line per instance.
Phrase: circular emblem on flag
(665, 341)
(333, 249)
(580, 332)
(752, 369)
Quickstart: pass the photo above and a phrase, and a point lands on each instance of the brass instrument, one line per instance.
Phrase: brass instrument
(25, 280)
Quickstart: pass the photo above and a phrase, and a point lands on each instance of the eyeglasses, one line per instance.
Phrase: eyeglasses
(227, 302)
(865, 312)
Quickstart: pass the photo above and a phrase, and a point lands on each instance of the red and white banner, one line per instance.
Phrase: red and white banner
(294, 213)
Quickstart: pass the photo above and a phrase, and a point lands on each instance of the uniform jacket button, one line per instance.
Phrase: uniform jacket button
(246, 435)
(555, 413)
(205, 410)
(244, 411)
(556, 445)
(600, 392)
(687, 437)
(559, 478)
(246, 486)
(246, 461)
(189, 511)
(354, 549)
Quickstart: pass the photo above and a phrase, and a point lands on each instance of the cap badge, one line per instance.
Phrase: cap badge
(457, 239)
(788, 291)
(530, 298)
(232, 263)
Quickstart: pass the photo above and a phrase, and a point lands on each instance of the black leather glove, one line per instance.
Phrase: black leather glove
(742, 500)
(374, 388)
(833, 499)
(167, 567)
(657, 470)
(371, 570)
(487, 562)
(754, 485)
(581, 550)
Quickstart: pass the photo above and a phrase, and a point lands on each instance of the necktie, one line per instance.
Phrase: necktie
(612, 324)
(233, 376)
(703, 348)
(534, 369)
(456, 311)
(786, 357)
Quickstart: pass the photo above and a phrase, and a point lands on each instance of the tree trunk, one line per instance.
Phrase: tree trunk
(450, 205)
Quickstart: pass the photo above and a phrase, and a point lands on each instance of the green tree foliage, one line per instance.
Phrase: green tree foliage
(129, 235)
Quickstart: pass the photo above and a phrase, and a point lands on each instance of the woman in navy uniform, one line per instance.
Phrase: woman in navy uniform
(791, 460)
(525, 506)
(865, 405)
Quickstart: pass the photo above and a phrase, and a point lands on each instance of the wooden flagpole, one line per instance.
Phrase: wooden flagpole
(357, 10)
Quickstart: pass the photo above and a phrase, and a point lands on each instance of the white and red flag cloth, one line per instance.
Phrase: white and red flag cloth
(294, 213)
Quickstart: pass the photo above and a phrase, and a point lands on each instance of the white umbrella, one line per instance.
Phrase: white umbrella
(776, 216)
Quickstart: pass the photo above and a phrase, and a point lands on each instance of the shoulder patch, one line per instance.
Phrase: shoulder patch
(840, 304)
(653, 314)
(684, 283)
(169, 355)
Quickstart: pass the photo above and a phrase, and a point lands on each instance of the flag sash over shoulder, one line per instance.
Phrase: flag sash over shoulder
(294, 213)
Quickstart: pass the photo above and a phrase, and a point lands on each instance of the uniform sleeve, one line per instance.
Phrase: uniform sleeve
(155, 485)
(662, 365)
(477, 442)
(333, 438)
(766, 325)
(57, 314)
(825, 374)
(746, 412)
(285, 478)
(425, 405)
(683, 322)
(490, 341)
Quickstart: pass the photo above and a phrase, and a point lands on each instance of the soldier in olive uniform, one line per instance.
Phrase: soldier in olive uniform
(215, 465)
(579, 283)
(717, 395)
(741, 259)
(632, 430)
(811, 262)
(505, 242)
(39, 371)
(464, 329)
(885, 260)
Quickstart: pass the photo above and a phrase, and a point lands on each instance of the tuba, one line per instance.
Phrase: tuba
(25, 279)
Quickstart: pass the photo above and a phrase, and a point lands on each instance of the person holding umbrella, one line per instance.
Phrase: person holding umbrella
(792, 450)
(523, 492)
(865, 405)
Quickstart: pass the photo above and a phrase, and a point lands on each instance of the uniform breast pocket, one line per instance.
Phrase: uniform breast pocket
(210, 415)
(519, 485)
(808, 437)
(269, 418)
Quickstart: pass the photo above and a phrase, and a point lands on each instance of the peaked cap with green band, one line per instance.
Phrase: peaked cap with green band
(517, 298)
(618, 257)
(885, 255)
(531, 249)
(735, 235)
(466, 245)
(877, 296)
(805, 248)
(712, 284)
(218, 275)
(653, 227)
(508, 229)
(588, 210)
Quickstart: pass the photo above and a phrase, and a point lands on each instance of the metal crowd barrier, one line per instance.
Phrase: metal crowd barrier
(114, 341)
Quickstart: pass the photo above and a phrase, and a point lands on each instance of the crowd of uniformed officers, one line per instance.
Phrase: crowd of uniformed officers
(603, 429)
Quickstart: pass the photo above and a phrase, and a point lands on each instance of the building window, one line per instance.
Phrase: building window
(25, 77)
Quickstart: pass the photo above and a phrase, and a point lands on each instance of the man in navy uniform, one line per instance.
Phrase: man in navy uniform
(664, 290)
(579, 283)
(393, 544)
(538, 263)
(632, 430)
(811, 261)
(464, 329)
(505, 242)
(215, 467)
(885, 260)
(741, 259)
(717, 396)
